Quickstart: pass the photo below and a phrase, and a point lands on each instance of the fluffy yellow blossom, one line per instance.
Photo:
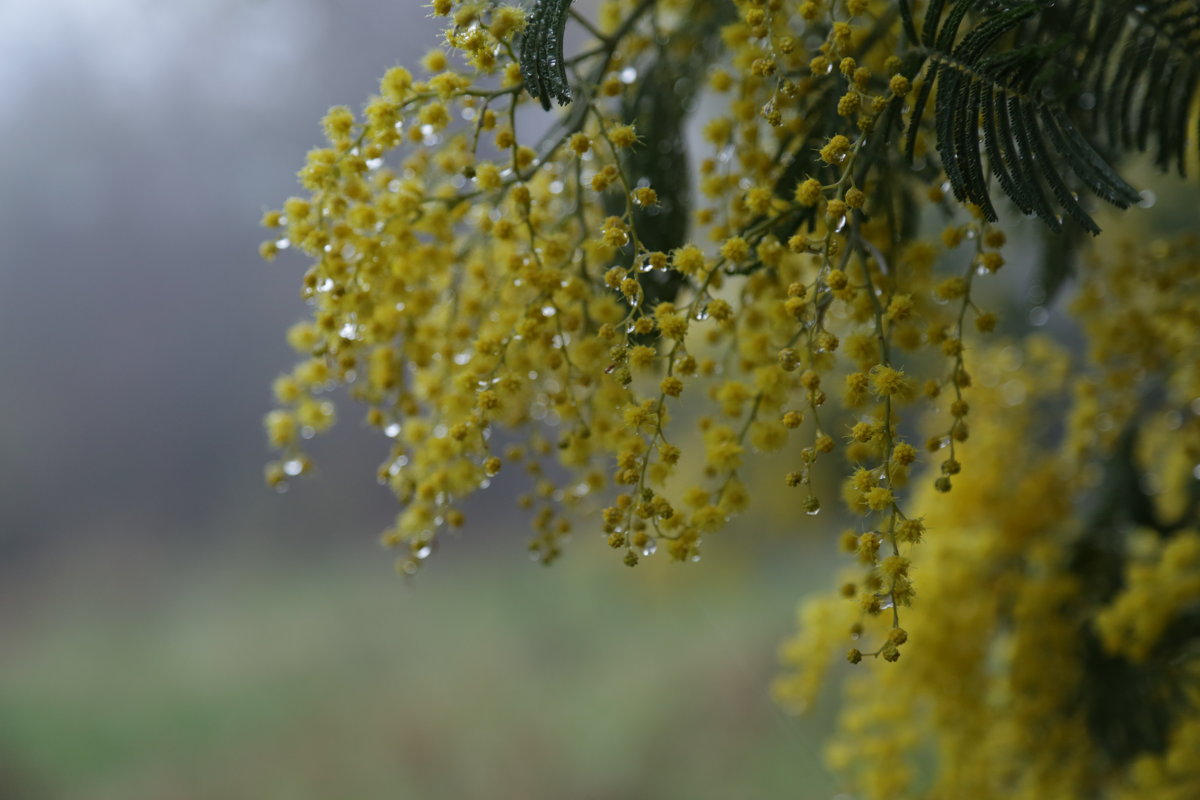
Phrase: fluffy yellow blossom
(555, 294)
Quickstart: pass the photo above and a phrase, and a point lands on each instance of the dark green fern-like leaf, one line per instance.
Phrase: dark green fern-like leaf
(1027, 134)
(1140, 73)
(543, 65)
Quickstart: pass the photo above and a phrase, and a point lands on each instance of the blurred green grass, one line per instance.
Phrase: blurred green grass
(249, 676)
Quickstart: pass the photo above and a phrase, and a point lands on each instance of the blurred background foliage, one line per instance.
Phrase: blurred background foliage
(171, 629)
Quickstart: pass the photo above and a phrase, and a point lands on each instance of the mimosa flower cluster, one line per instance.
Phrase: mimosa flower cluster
(475, 273)
(718, 253)
(1046, 611)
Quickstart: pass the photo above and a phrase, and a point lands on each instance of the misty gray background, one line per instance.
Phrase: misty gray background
(139, 144)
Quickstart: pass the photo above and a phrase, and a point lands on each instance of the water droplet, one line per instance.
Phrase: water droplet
(485, 483)
(696, 558)
(650, 548)
(628, 75)
(283, 244)
(702, 314)
(392, 430)
(293, 467)
(813, 512)
(886, 603)
(281, 487)
(549, 311)
(1038, 316)
(374, 163)
(839, 224)
(1149, 198)
(1013, 392)
(1196, 472)
(325, 285)
(423, 552)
